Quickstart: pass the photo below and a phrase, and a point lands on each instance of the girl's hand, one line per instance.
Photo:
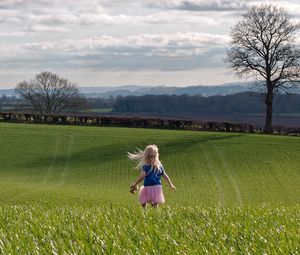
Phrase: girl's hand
(133, 186)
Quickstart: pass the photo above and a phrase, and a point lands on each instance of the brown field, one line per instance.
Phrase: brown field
(284, 120)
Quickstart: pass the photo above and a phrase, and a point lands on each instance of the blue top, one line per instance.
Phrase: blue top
(153, 175)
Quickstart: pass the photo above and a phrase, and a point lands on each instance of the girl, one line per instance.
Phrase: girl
(152, 170)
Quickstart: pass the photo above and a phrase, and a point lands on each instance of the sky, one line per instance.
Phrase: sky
(121, 42)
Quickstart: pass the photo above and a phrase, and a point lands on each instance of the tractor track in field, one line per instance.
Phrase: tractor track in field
(65, 168)
(53, 160)
(226, 168)
(220, 191)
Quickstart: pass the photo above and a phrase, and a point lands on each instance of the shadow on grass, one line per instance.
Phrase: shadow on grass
(182, 144)
(92, 156)
(115, 151)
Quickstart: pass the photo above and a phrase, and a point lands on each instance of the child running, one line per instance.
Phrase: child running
(152, 170)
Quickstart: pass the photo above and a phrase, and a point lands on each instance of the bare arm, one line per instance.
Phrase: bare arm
(166, 177)
(139, 179)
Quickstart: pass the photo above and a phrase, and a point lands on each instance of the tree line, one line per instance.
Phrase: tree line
(241, 103)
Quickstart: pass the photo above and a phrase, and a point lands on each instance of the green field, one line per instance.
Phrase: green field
(66, 189)
(69, 163)
(99, 110)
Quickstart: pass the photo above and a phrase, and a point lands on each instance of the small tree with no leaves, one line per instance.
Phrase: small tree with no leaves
(263, 46)
(50, 94)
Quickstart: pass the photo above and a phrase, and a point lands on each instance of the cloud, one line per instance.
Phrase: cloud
(9, 15)
(201, 5)
(47, 12)
(41, 28)
(13, 34)
(165, 52)
(83, 19)
(162, 44)
(116, 35)
(36, 15)
(101, 12)
(293, 6)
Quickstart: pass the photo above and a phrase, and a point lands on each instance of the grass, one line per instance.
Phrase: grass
(44, 229)
(99, 110)
(90, 164)
(65, 190)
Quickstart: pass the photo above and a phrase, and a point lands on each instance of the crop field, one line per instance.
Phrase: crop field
(65, 189)
(98, 110)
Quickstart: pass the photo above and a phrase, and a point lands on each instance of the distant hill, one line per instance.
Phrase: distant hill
(224, 89)
(6, 92)
(136, 90)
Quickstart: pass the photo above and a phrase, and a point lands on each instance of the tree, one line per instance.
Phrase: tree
(50, 94)
(263, 46)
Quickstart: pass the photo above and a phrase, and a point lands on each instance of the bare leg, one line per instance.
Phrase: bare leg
(154, 205)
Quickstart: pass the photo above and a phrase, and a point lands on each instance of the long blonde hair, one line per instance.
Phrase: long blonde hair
(145, 157)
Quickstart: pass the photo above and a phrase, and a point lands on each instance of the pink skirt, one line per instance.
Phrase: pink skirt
(151, 194)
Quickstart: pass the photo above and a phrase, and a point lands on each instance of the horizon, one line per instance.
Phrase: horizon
(111, 43)
(238, 83)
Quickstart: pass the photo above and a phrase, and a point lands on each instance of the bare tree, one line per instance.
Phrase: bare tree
(263, 45)
(49, 94)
